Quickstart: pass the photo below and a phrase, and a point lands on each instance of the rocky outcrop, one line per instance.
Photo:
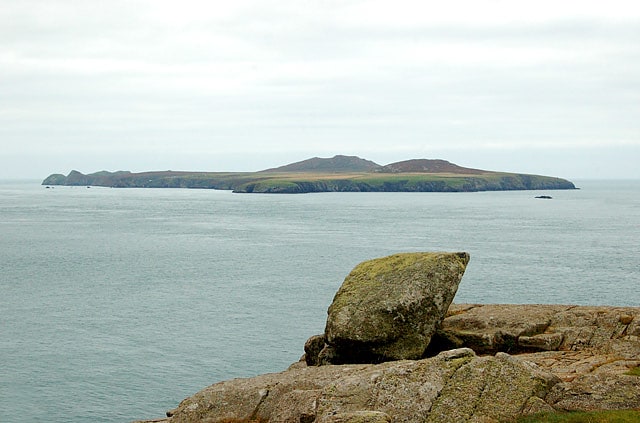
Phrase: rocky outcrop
(589, 348)
(587, 369)
(453, 386)
(524, 328)
(55, 179)
(483, 363)
(388, 308)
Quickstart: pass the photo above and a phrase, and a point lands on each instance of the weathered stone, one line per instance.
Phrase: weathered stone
(597, 391)
(312, 349)
(327, 355)
(491, 388)
(625, 319)
(297, 406)
(405, 389)
(541, 342)
(488, 329)
(258, 398)
(358, 417)
(402, 391)
(589, 348)
(388, 308)
(535, 405)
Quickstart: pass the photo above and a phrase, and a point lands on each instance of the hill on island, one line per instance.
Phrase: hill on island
(334, 164)
(335, 174)
(338, 164)
(428, 166)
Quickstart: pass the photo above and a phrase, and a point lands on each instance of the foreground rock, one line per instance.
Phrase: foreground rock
(590, 349)
(388, 308)
(454, 386)
(534, 327)
(586, 370)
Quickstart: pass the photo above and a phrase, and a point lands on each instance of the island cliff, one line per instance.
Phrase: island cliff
(336, 174)
(395, 350)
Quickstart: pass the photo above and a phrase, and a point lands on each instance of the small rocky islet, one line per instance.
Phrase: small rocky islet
(396, 349)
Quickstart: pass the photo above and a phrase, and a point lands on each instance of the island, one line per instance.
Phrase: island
(336, 174)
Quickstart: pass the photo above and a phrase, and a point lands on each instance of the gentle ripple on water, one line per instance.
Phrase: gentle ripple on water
(118, 303)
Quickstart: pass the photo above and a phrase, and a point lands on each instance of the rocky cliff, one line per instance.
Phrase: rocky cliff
(484, 363)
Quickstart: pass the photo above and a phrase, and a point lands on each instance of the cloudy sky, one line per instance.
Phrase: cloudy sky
(547, 87)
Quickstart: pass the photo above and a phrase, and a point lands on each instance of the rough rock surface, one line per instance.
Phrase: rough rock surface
(388, 308)
(589, 348)
(529, 328)
(453, 386)
(579, 359)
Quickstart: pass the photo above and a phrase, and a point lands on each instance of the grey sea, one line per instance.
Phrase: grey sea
(116, 304)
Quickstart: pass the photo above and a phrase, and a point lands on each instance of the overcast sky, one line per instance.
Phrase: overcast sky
(546, 87)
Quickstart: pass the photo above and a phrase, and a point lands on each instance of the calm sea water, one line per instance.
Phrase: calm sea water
(118, 303)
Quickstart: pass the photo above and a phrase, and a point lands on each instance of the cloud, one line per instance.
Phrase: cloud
(112, 78)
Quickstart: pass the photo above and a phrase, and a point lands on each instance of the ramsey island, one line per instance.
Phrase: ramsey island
(336, 174)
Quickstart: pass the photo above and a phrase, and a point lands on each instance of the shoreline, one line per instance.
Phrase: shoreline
(580, 356)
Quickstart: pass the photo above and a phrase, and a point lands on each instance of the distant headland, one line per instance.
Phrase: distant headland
(336, 174)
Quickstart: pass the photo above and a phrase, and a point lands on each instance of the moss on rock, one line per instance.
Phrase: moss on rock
(388, 308)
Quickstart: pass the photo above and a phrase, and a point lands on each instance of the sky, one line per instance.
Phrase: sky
(543, 87)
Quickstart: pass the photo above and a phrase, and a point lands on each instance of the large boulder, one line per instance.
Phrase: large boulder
(388, 308)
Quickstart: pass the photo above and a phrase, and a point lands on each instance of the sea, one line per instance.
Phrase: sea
(116, 304)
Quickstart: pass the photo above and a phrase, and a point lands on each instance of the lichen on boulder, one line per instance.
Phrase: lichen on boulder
(388, 308)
